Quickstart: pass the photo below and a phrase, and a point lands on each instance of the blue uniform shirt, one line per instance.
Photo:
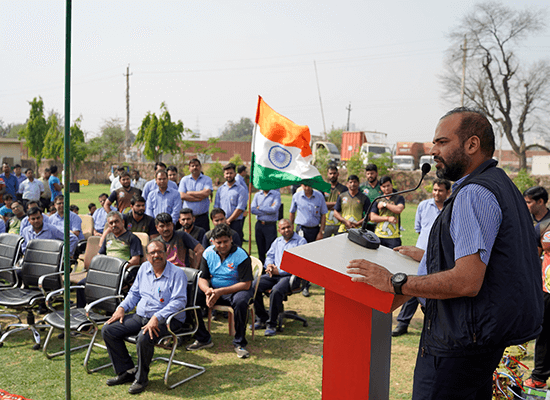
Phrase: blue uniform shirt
(240, 180)
(25, 221)
(169, 202)
(51, 181)
(75, 223)
(235, 268)
(48, 231)
(309, 210)
(3, 226)
(12, 184)
(278, 247)
(189, 184)
(266, 206)
(160, 296)
(152, 185)
(426, 213)
(231, 198)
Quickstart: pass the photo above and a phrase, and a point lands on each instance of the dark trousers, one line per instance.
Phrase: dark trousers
(237, 226)
(455, 378)
(265, 236)
(239, 302)
(407, 311)
(203, 221)
(541, 372)
(114, 334)
(310, 235)
(279, 285)
(390, 243)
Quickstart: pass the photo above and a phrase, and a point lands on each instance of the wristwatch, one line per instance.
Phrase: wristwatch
(397, 281)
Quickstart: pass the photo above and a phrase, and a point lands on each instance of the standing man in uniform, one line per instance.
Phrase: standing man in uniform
(11, 182)
(336, 188)
(46, 196)
(195, 190)
(30, 188)
(386, 213)
(536, 198)
(265, 206)
(481, 258)
(152, 184)
(352, 206)
(312, 211)
(426, 213)
(232, 198)
(164, 198)
(371, 188)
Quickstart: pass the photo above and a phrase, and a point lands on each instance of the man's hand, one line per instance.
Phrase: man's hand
(212, 297)
(152, 327)
(412, 251)
(348, 224)
(381, 205)
(272, 269)
(371, 273)
(319, 235)
(392, 220)
(117, 316)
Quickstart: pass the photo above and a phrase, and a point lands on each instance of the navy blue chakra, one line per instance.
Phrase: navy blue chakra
(279, 157)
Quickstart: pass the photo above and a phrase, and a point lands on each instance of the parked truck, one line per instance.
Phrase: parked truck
(407, 155)
(365, 142)
(331, 148)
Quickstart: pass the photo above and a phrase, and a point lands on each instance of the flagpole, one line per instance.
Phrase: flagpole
(250, 180)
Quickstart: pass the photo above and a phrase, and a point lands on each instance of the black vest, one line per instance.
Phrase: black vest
(508, 308)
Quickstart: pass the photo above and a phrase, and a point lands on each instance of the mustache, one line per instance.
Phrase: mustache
(436, 158)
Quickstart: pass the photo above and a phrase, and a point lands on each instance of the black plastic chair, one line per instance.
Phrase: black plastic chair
(103, 287)
(41, 273)
(10, 252)
(295, 287)
(170, 342)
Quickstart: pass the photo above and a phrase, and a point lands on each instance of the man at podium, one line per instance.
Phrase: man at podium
(480, 276)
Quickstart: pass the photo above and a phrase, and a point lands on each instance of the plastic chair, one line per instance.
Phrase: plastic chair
(87, 225)
(144, 238)
(257, 268)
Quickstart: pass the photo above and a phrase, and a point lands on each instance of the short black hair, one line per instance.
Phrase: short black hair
(536, 193)
(161, 171)
(124, 173)
(186, 211)
(74, 207)
(33, 202)
(103, 194)
(33, 210)
(172, 168)
(220, 231)
(91, 205)
(475, 123)
(371, 167)
(194, 160)
(332, 167)
(58, 197)
(16, 166)
(229, 166)
(160, 164)
(353, 178)
(241, 168)
(216, 211)
(443, 182)
(137, 199)
(53, 169)
(385, 179)
(163, 218)
(8, 196)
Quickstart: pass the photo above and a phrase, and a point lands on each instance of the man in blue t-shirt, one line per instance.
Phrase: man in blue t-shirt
(55, 183)
(226, 279)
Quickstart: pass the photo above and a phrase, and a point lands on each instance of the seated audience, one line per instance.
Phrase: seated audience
(217, 215)
(38, 229)
(137, 221)
(14, 223)
(187, 222)
(57, 219)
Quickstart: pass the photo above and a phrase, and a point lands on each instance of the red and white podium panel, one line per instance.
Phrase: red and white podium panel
(357, 331)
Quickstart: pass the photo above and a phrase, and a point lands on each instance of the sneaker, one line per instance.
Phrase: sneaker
(242, 352)
(534, 384)
(258, 325)
(305, 292)
(196, 345)
(270, 332)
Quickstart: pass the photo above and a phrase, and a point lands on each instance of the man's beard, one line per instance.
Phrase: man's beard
(454, 168)
(187, 226)
(139, 212)
(334, 180)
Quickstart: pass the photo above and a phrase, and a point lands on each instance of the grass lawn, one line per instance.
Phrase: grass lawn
(287, 366)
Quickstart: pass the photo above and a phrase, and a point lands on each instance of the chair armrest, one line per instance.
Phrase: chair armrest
(14, 268)
(169, 319)
(43, 277)
(95, 303)
(57, 292)
(295, 283)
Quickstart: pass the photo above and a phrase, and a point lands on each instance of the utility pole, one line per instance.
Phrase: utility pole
(349, 112)
(320, 101)
(464, 50)
(126, 146)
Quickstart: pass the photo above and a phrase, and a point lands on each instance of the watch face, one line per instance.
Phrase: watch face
(399, 278)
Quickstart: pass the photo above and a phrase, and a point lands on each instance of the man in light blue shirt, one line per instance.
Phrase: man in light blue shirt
(195, 190)
(265, 206)
(275, 279)
(38, 229)
(160, 289)
(163, 198)
(58, 218)
(10, 180)
(152, 184)
(100, 215)
(232, 198)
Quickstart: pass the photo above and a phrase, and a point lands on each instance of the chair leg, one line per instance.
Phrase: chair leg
(89, 352)
(253, 319)
(209, 319)
(231, 323)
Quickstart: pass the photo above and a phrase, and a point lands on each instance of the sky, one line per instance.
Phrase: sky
(209, 61)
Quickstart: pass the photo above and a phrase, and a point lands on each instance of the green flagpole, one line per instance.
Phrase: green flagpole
(67, 180)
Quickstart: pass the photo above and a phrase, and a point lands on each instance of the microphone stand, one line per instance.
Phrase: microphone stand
(362, 236)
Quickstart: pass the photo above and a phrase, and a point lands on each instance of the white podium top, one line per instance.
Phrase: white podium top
(336, 252)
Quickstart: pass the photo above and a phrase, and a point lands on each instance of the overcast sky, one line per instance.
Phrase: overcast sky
(209, 60)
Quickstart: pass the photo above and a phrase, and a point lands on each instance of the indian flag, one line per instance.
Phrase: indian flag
(281, 153)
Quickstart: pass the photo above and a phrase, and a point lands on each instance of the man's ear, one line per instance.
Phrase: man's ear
(472, 145)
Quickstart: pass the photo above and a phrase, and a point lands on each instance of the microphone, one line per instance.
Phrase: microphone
(362, 236)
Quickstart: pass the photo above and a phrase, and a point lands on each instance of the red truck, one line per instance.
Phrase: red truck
(407, 155)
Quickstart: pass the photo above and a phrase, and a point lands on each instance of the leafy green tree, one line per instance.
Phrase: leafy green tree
(35, 130)
(204, 152)
(215, 172)
(110, 144)
(79, 149)
(382, 161)
(160, 135)
(53, 142)
(335, 136)
(237, 160)
(322, 160)
(355, 165)
(524, 180)
(238, 131)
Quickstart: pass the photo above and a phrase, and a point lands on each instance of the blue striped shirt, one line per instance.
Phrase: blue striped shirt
(475, 222)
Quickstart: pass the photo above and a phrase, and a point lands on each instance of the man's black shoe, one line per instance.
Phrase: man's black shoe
(125, 377)
(137, 387)
(399, 330)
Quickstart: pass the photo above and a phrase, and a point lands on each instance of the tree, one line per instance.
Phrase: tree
(322, 160)
(160, 135)
(511, 93)
(204, 152)
(238, 131)
(111, 142)
(355, 165)
(53, 141)
(335, 136)
(35, 131)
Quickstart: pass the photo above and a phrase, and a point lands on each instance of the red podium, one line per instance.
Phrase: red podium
(357, 338)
